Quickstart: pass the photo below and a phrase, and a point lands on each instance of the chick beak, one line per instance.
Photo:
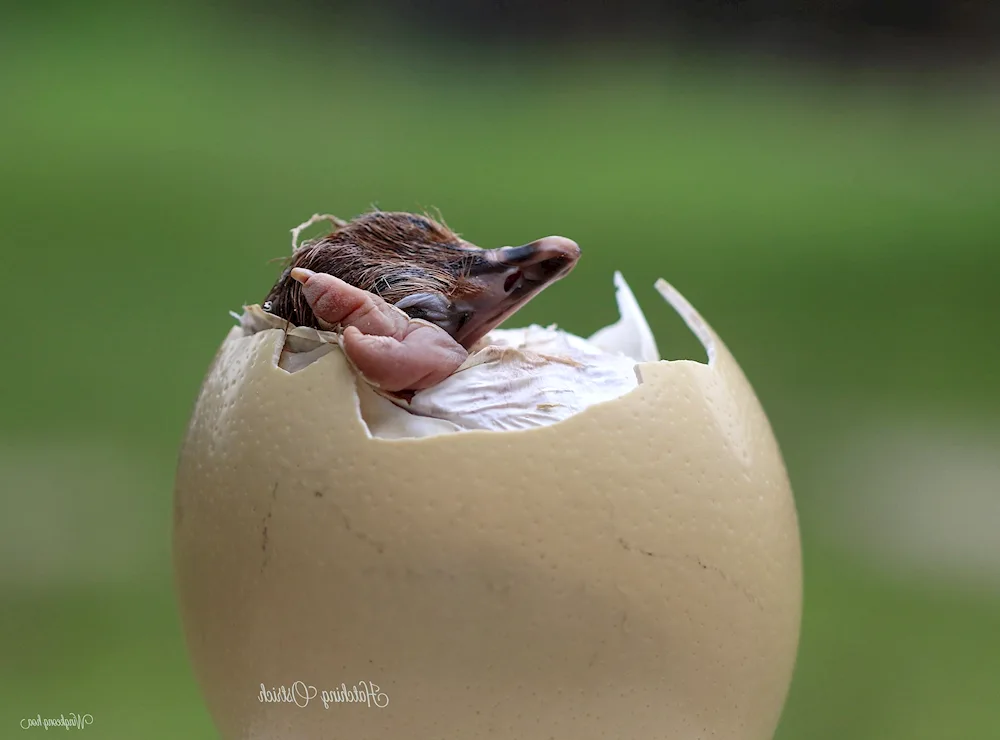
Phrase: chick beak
(504, 279)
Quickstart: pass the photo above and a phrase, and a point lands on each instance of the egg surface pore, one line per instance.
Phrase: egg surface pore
(630, 571)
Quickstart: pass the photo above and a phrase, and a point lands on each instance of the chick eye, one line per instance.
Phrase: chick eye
(432, 307)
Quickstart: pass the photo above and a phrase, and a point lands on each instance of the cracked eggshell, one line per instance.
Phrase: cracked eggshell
(631, 572)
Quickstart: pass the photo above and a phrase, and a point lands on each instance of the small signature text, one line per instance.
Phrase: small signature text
(300, 694)
(73, 721)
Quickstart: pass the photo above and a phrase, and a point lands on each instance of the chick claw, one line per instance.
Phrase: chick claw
(389, 348)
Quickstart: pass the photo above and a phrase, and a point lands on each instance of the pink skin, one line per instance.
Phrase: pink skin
(392, 350)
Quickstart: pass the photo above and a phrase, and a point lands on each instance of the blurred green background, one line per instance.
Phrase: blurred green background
(839, 230)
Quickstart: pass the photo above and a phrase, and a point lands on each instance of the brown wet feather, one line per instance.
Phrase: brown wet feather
(390, 254)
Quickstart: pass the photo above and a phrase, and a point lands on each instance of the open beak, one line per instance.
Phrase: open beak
(509, 277)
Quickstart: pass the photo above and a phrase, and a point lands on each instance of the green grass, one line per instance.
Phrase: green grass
(841, 238)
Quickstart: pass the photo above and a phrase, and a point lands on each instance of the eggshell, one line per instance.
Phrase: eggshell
(631, 572)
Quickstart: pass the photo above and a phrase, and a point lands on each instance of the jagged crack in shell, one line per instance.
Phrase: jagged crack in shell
(515, 379)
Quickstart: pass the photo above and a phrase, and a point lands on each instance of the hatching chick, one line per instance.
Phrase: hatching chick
(411, 295)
